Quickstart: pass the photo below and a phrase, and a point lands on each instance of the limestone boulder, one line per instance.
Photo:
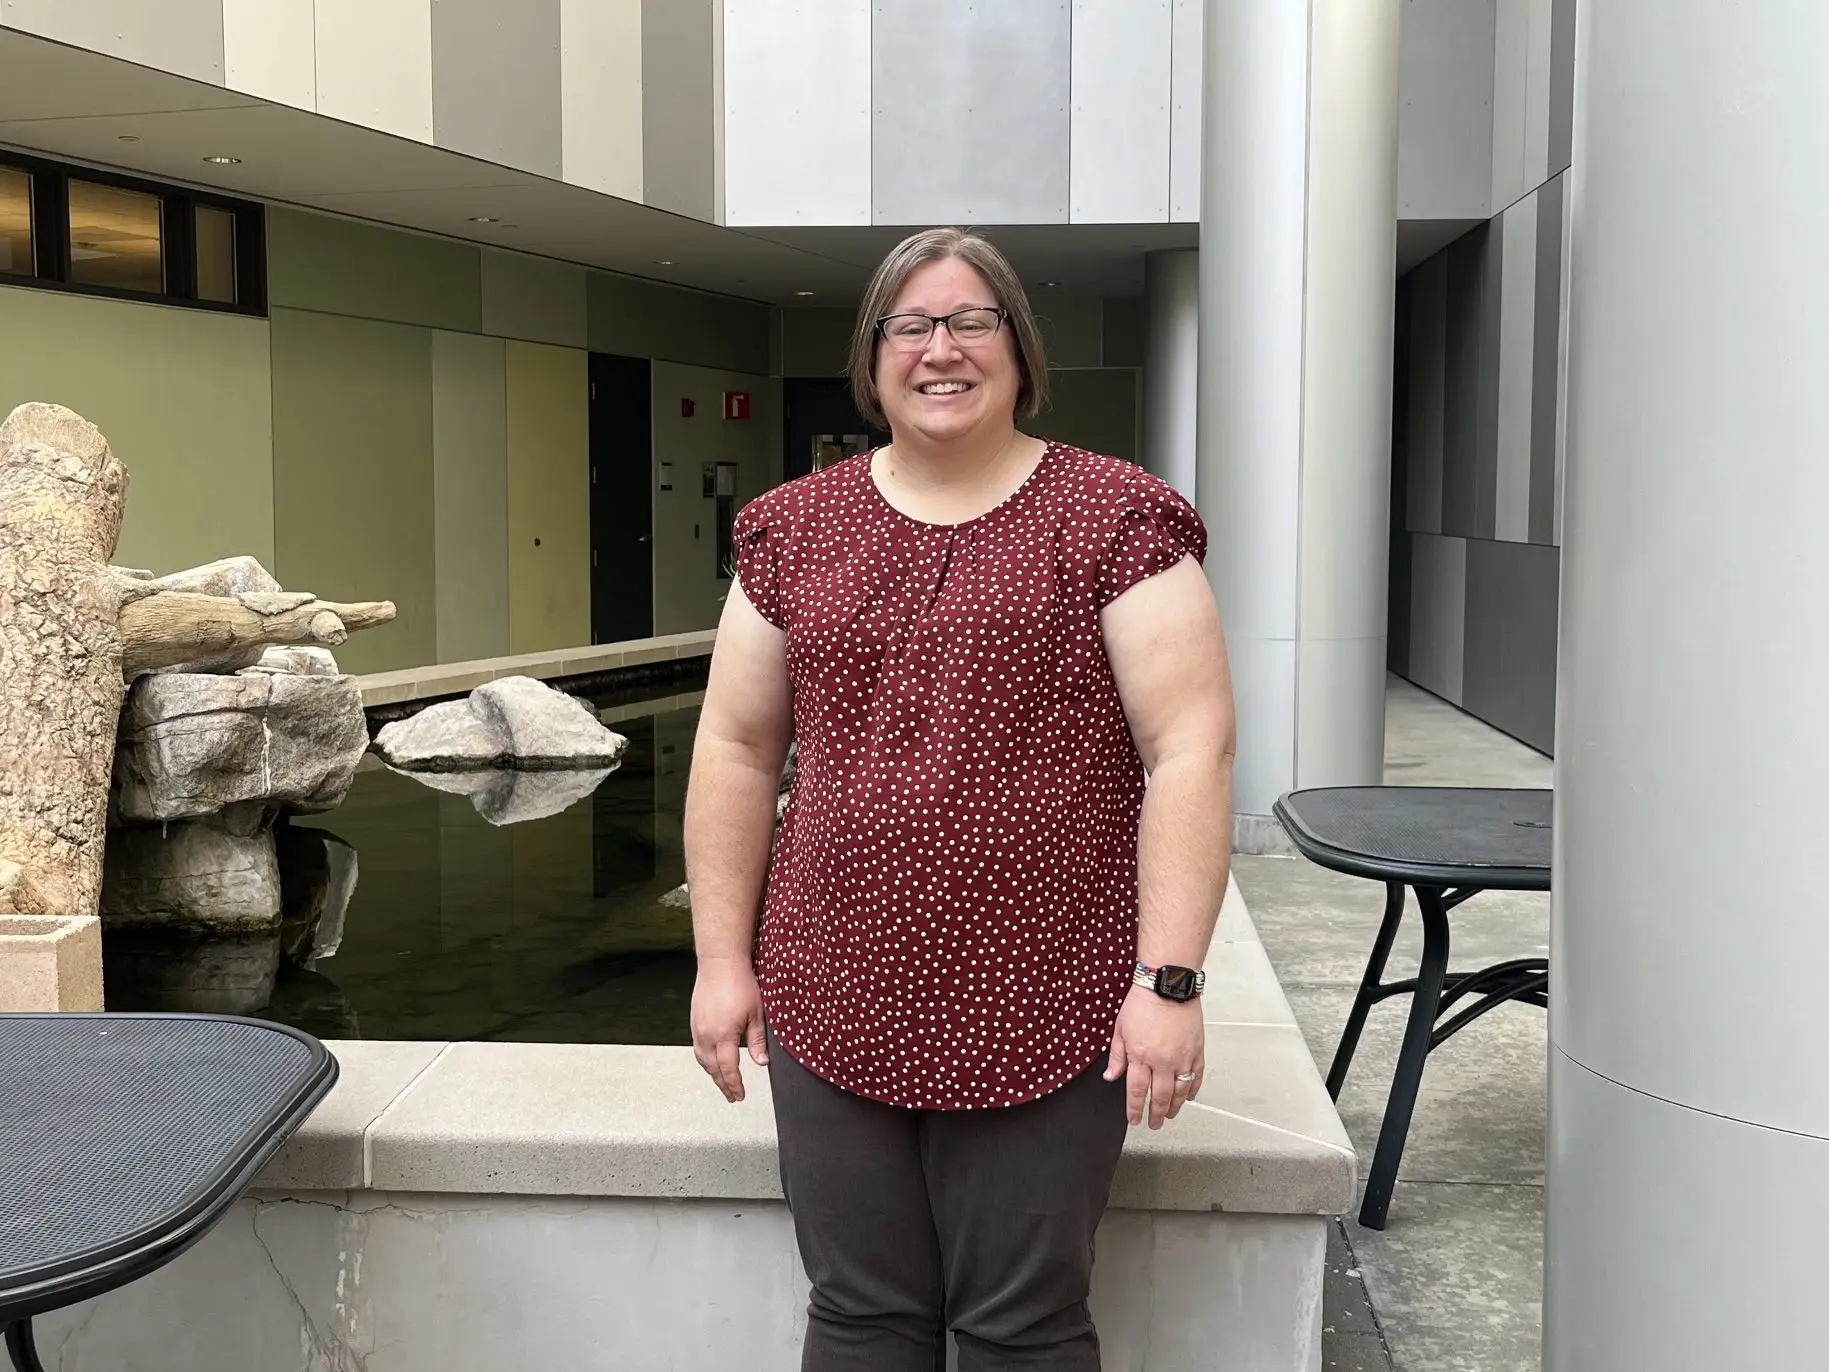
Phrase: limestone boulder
(190, 877)
(503, 797)
(515, 723)
(296, 660)
(193, 744)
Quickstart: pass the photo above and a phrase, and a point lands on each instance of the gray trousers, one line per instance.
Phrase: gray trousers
(912, 1222)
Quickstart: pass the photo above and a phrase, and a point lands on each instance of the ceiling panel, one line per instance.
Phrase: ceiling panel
(44, 80)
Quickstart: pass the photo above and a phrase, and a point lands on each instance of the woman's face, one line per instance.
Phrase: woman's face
(942, 390)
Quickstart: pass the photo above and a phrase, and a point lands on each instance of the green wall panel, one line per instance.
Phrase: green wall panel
(816, 342)
(1094, 409)
(644, 319)
(184, 400)
(353, 475)
(1072, 329)
(533, 298)
(470, 494)
(339, 266)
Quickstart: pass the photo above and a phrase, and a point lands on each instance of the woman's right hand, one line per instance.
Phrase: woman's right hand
(726, 1014)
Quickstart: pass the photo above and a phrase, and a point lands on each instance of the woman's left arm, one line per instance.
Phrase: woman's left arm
(1163, 639)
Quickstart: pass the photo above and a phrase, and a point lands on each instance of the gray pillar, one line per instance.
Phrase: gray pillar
(1688, 1159)
(1171, 382)
(1298, 227)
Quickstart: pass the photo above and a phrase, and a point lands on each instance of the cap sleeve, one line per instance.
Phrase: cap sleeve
(1156, 529)
(758, 560)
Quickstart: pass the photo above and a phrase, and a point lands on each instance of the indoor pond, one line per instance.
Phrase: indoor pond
(548, 930)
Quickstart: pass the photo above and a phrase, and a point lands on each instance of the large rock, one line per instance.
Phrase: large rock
(190, 877)
(516, 722)
(192, 745)
(231, 973)
(296, 660)
(504, 797)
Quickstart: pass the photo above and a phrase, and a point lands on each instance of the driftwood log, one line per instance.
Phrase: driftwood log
(73, 631)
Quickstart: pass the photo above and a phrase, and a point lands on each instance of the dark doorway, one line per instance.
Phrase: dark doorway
(622, 507)
(823, 423)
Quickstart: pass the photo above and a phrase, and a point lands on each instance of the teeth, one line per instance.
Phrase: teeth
(943, 388)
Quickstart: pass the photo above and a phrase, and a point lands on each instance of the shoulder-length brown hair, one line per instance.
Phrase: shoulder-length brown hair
(934, 245)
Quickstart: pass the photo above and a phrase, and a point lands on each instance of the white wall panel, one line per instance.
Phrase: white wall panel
(797, 112)
(970, 111)
(1444, 115)
(375, 64)
(1118, 157)
(1517, 351)
(1184, 111)
(1510, 62)
(600, 95)
(1537, 91)
(182, 36)
(269, 49)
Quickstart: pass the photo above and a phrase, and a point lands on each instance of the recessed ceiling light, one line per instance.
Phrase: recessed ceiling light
(223, 161)
(484, 219)
(663, 261)
(1047, 283)
(803, 292)
(128, 137)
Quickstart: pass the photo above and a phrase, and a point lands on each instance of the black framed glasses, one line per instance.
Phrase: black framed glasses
(974, 325)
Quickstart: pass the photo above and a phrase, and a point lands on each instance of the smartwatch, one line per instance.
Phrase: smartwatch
(1180, 984)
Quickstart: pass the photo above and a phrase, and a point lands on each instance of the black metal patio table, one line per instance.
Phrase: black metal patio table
(124, 1138)
(1446, 844)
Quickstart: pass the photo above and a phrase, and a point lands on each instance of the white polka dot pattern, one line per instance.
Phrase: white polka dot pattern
(951, 916)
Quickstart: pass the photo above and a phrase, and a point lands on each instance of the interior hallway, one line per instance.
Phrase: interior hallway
(1454, 1282)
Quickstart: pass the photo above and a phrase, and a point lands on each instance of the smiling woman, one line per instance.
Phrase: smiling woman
(973, 960)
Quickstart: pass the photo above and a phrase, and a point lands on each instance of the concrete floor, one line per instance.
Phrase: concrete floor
(1455, 1280)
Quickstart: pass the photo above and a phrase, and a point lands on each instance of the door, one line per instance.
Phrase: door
(823, 424)
(622, 504)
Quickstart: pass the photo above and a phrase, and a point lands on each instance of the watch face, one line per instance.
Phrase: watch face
(1177, 983)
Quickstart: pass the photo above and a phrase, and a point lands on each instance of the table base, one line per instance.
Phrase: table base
(1433, 992)
(20, 1348)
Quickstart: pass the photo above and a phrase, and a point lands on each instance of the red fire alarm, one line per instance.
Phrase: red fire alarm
(736, 404)
(685, 408)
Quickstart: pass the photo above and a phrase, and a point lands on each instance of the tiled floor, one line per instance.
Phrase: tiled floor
(1454, 1281)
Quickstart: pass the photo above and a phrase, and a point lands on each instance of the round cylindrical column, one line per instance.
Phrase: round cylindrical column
(1298, 228)
(1688, 1160)
(1171, 282)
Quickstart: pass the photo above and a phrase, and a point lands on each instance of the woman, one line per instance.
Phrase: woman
(975, 957)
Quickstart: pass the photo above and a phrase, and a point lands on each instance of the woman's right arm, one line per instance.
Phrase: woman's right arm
(744, 728)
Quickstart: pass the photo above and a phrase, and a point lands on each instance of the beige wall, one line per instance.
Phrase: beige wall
(184, 400)
(352, 475)
(687, 589)
(470, 494)
(549, 497)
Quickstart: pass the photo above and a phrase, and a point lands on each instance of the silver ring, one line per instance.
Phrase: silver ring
(1184, 1076)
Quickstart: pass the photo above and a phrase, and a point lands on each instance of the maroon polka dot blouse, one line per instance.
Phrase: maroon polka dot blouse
(951, 914)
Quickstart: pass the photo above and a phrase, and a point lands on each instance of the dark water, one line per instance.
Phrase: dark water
(547, 931)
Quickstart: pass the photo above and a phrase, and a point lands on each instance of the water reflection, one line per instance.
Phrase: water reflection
(508, 907)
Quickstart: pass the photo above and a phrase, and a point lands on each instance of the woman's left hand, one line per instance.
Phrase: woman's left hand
(1158, 1040)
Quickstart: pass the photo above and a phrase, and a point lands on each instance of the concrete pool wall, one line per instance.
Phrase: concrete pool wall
(578, 1206)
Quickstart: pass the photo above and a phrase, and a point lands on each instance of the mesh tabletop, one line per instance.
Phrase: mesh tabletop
(124, 1136)
(1427, 834)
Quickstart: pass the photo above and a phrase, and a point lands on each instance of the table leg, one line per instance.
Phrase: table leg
(1368, 988)
(1425, 1004)
(20, 1348)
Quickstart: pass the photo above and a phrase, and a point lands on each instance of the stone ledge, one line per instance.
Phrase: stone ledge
(614, 1120)
(456, 678)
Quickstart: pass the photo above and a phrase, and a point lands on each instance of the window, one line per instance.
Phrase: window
(215, 254)
(115, 239)
(72, 229)
(15, 221)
